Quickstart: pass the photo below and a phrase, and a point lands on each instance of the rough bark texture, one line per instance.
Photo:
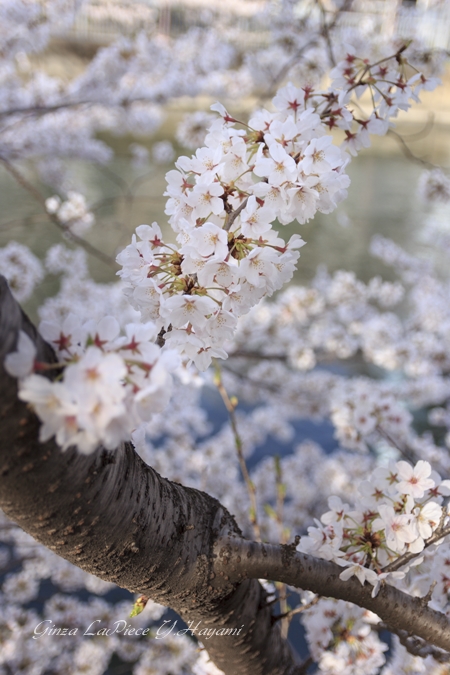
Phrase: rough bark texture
(115, 517)
(112, 515)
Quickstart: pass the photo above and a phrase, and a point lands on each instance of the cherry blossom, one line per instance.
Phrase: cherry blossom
(204, 298)
(414, 481)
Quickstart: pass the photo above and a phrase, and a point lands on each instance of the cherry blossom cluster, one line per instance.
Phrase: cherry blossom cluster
(223, 201)
(72, 213)
(110, 383)
(341, 638)
(398, 510)
(21, 268)
(361, 412)
(392, 84)
(228, 255)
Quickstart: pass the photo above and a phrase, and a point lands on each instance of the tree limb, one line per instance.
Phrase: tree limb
(113, 516)
(417, 647)
(240, 559)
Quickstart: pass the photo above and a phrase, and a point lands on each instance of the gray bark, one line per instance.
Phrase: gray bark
(240, 558)
(115, 517)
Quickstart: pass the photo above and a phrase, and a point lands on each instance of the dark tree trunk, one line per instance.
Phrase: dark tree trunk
(115, 517)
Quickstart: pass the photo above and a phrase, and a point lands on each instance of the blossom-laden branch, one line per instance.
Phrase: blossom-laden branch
(114, 516)
(407, 558)
(239, 558)
(222, 204)
(418, 647)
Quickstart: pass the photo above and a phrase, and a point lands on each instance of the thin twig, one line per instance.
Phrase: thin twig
(44, 109)
(231, 217)
(48, 109)
(66, 230)
(418, 135)
(110, 200)
(282, 588)
(326, 33)
(287, 66)
(408, 557)
(298, 610)
(141, 179)
(407, 453)
(299, 53)
(21, 221)
(128, 195)
(231, 408)
(261, 384)
(242, 353)
(115, 178)
(408, 152)
(426, 599)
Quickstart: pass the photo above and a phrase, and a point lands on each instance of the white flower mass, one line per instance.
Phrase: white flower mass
(135, 359)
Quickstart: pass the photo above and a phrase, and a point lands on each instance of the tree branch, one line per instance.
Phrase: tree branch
(115, 517)
(92, 250)
(417, 647)
(406, 558)
(231, 217)
(241, 559)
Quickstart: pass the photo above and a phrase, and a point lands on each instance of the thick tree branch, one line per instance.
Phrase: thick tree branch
(112, 515)
(238, 558)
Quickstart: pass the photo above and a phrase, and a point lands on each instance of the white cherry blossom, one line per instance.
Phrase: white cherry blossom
(414, 481)
(279, 167)
(400, 529)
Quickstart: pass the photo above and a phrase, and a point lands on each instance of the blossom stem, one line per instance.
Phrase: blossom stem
(231, 217)
(408, 557)
(231, 408)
